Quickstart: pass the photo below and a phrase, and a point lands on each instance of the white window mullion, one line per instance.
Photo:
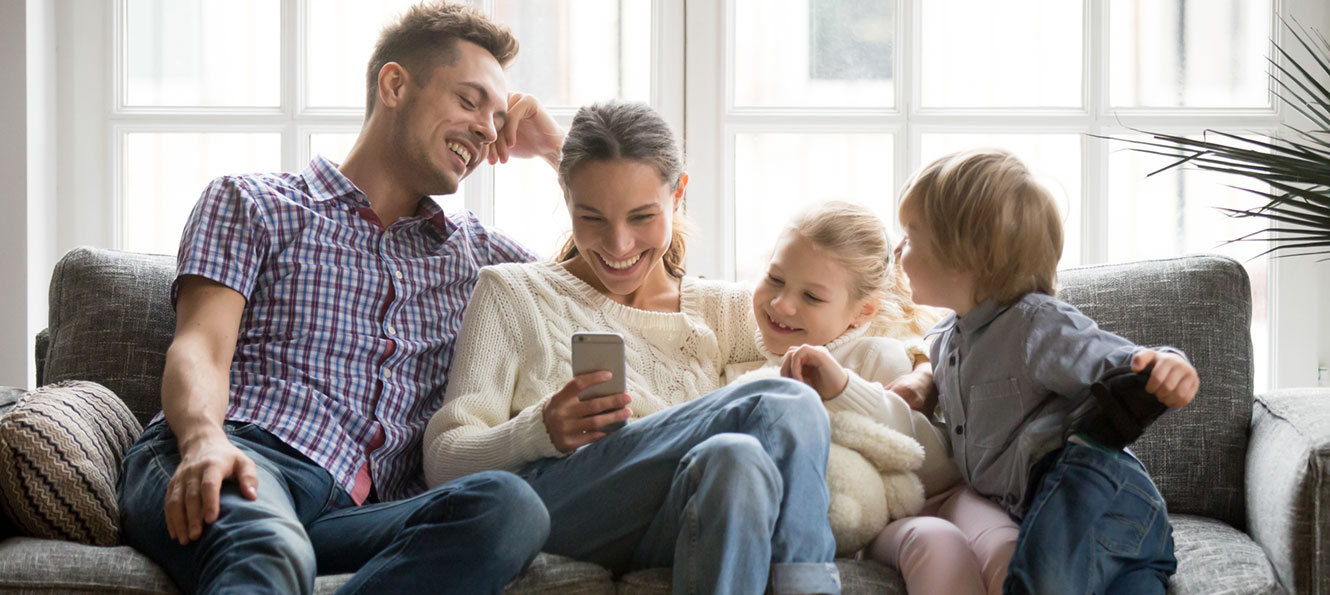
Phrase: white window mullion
(1094, 153)
(708, 140)
(295, 148)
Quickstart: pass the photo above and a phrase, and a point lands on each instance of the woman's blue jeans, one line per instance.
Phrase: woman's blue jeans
(729, 489)
(471, 535)
(1096, 525)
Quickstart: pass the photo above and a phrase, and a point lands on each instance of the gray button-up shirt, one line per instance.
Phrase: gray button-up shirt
(1011, 379)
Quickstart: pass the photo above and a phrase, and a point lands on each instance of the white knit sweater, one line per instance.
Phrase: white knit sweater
(514, 351)
(873, 362)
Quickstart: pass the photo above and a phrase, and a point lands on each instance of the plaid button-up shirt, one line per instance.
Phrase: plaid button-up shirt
(348, 328)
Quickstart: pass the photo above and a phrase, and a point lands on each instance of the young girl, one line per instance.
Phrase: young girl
(834, 311)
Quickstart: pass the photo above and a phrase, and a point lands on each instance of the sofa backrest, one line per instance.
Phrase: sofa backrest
(111, 322)
(1201, 305)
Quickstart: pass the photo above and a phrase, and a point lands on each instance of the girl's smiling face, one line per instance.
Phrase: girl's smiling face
(806, 297)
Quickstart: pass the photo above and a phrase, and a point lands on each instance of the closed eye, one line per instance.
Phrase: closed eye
(777, 281)
(813, 298)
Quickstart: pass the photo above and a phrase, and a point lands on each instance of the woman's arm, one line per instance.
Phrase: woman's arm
(476, 429)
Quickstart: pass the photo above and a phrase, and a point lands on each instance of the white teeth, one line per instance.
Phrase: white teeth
(621, 264)
(461, 152)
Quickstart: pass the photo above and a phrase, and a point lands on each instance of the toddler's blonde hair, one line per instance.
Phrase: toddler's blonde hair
(986, 215)
(858, 241)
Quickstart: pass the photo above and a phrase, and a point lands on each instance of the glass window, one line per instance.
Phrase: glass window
(1167, 53)
(576, 52)
(1054, 159)
(340, 39)
(814, 52)
(777, 175)
(529, 205)
(203, 53)
(1023, 53)
(165, 172)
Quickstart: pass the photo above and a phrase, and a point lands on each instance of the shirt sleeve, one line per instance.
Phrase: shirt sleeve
(1067, 351)
(225, 239)
(475, 429)
(496, 246)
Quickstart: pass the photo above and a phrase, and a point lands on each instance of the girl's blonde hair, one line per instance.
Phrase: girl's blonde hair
(859, 242)
(615, 130)
(986, 215)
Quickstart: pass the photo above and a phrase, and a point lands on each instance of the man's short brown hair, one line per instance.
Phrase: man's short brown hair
(988, 216)
(425, 37)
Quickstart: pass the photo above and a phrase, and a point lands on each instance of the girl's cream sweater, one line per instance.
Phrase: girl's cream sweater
(514, 351)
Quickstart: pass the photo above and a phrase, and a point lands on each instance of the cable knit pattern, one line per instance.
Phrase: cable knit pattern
(515, 350)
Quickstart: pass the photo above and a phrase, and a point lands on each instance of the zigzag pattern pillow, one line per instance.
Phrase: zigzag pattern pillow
(60, 452)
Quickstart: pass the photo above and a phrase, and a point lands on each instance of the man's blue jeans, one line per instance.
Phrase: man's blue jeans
(472, 535)
(1096, 525)
(729, 489)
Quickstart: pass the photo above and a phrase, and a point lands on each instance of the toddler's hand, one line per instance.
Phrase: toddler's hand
(917, 388)
(815, 366)
(1173, 380)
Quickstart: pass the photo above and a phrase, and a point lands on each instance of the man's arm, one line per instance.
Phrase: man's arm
(195, 390)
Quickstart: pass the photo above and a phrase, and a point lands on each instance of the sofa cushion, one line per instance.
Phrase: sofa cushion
(1202, 305)
(856, 577)
(1215, 559)
(111, 321)
(60, 452)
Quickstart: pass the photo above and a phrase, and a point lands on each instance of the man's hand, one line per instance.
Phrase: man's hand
(572, 423)
(194, 492)
(529, 131)
(815, 366)
(1173, 380)
(917, 388)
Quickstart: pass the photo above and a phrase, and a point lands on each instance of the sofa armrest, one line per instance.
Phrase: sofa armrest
(1288, 485)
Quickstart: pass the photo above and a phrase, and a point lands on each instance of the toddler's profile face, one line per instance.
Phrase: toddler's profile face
(805, 296)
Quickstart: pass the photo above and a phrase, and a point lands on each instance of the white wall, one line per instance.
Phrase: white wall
(13, 201)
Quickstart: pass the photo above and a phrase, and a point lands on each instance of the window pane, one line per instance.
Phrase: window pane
(1023, 53)
(1054, 159)
(814, 52)
(576, 52)
(340, 39)
(528, 205)
(203, 53)
(166, 172)
(778, 175)
(1175, 212)
(1167, 53)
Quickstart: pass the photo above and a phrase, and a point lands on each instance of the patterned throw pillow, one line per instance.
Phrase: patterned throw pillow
(60, 451)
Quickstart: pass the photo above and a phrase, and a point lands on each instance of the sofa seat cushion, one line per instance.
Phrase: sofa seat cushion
(856, 577)
(1216, 559)
(60, 452)
(46, 565)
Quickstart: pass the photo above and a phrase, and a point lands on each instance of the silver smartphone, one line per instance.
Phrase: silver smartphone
(593, 352)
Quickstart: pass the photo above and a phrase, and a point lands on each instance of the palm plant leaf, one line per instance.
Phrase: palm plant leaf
(1296, 170)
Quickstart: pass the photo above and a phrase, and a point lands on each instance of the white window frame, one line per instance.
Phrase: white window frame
(99, 72)
(713, 122)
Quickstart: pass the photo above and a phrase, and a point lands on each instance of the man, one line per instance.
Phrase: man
(316, 314)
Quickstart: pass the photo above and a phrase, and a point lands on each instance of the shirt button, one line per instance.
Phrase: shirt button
(391, 330)
(397, 274)
(387, 373)
(960, 429)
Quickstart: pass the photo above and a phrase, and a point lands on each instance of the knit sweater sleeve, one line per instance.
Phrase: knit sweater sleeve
(476, 430)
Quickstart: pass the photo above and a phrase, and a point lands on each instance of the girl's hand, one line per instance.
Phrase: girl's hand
(1173, 380)
(572, 423)
(917, 388)
(815, 366)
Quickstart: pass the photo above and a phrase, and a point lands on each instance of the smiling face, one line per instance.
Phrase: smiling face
(623, 216)
(806, 297)
(447, 123)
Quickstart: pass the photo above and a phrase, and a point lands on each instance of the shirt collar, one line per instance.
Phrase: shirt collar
(326, 182)
(982, 314)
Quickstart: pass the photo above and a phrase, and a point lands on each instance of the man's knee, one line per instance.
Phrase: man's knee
(502, 510)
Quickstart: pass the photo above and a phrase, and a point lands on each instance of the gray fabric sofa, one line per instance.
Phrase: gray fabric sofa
(1247, 478)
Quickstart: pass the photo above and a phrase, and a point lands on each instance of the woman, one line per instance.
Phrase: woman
(728, 488)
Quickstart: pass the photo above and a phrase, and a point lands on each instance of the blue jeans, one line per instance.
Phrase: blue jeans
(1096, 525)
(471, 535)
(729, 489)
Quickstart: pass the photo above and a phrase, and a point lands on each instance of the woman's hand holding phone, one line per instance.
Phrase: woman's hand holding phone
(572, 422)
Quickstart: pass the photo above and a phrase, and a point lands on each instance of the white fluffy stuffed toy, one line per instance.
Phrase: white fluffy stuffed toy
(870, 474)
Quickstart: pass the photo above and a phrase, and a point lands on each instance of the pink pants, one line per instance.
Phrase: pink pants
(960, 544)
